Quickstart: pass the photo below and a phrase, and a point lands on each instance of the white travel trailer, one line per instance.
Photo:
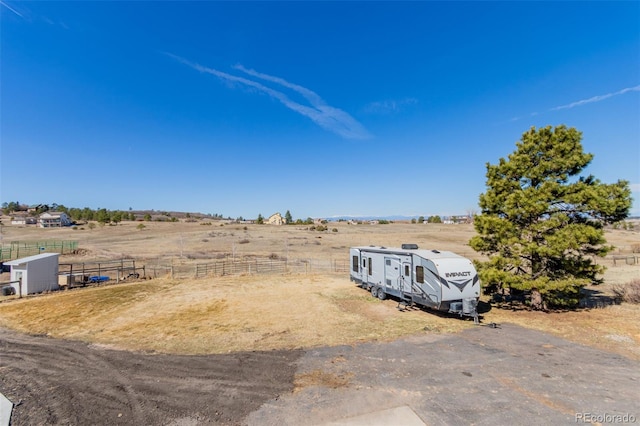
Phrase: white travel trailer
(440, 280)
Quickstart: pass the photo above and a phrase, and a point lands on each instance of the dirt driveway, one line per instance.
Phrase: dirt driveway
(480, 376)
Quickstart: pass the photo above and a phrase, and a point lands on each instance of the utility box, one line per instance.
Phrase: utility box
(36, 273)
(66, 280)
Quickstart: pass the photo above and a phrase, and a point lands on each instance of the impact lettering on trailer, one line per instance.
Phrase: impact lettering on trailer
(457, 274)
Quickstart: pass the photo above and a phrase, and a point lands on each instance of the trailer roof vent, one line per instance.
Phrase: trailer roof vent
(409, 246)
(435, 251)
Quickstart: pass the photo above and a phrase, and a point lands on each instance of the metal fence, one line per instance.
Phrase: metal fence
(630, 259)
(254, 266)
(81, 273)
(18, 249)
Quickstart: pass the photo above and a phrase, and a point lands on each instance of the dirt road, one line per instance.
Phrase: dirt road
(479, 376)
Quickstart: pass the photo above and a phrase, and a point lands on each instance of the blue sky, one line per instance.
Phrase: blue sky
(323, 109)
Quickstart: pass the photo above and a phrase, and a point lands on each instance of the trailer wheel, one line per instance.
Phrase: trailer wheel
(374, 291)
(381, 294)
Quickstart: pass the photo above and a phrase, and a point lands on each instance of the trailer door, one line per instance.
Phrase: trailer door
(406, 277)
(366, 267)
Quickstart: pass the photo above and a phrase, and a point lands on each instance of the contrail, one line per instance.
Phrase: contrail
(11, 9)
(596, 98)
(326, 116)
(309, 95)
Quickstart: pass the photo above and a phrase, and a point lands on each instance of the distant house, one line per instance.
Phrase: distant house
(456, 220)
(35, 207)
(23, 220)
(461, 219)
(276, 219)
(54, 219)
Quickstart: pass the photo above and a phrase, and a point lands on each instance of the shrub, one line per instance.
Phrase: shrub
(245, 241)
(635, 248)
(334, 230)
(629, 292)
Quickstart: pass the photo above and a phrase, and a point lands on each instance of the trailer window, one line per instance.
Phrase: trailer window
(420, 274)
(406, 270)
(387, 262)
(370, 272)
(354, 264)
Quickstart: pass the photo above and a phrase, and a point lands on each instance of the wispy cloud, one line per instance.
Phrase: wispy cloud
(583, 102)
(635, 187)
(11, 9)
(389, 106)
(597, 98)
(326, 116)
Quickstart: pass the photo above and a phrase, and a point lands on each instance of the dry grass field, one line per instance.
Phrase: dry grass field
(253, 312)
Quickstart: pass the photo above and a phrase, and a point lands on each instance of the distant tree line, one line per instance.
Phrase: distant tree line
(100, 215)
(288, 220)
(430, 219)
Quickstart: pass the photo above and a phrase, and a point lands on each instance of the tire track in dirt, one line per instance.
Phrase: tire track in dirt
(64, 382)
(87, 363)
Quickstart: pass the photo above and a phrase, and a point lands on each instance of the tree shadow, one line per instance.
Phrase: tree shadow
(590, 298)
(484, 307)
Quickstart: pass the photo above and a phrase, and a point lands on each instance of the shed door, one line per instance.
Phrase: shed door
(19, 275)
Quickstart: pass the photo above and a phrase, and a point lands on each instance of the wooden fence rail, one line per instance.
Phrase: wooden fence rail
(248, 267)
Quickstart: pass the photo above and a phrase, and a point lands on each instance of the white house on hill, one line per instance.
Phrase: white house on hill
(276, 219)
(54, 219)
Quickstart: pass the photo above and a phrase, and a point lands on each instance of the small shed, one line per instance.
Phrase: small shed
(37, 273)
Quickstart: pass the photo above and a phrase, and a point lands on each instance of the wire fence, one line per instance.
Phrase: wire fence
(18, 249)
(254, 266)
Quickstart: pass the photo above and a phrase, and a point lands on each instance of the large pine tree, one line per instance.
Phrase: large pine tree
(541, 223)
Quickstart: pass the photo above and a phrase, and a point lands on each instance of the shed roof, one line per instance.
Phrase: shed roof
(30, 258)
